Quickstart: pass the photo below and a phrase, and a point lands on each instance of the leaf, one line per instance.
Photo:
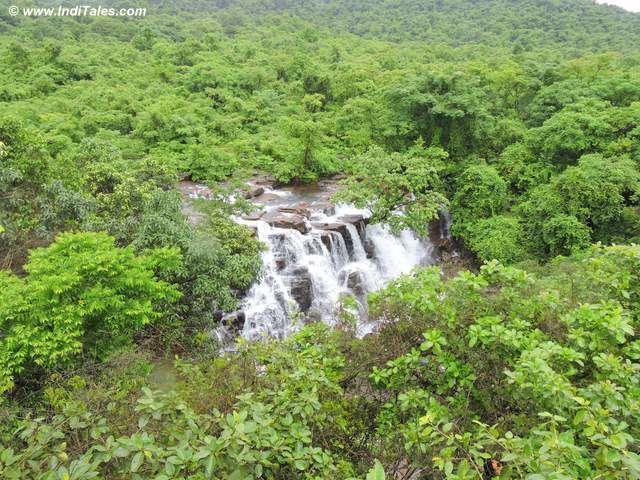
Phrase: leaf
(508, 457)
(448, 468)
(137, 461)
(121, 452)
(377, 472)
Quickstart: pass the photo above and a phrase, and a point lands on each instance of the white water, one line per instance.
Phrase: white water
(322, 266)
(305, 276)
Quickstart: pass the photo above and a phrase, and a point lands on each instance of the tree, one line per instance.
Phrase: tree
(481, 192)
(571, 133)
(403, 190)
(497, 238)
(82, 295)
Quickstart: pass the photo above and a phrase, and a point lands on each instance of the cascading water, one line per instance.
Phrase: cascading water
(315, 254)
(306, 274)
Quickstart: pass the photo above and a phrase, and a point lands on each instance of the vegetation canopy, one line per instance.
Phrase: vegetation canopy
(517, 356)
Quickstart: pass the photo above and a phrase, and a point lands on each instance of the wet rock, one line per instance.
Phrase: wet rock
(263, 181)
(301, 209)
(369, 248)
(253, 191)
(192, 190)
(314, 315)
(277, 238)
(267, 198)
(355, 283)
(234, 321)
(339, 228)
(301, 288)
(360, 221)
(282, 220)
(253, 216)
(325, 238)
(279, 247)
(325, 207)
(218, 314)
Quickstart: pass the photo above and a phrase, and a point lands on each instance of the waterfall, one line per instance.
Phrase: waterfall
(358, 249)
(316, 253)
(269, 302)
(445, 224)
(304, 276)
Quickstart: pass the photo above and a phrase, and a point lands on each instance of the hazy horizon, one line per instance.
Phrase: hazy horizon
(631, 5)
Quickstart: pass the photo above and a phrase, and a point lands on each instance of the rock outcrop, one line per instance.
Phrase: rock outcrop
(301, 287)
(287, 220)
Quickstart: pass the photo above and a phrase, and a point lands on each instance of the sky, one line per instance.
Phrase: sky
(632, 5)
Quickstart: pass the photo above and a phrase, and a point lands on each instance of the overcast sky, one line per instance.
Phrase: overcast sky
(633, 5)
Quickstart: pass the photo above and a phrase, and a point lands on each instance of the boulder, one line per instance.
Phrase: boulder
(325, 238)
(277, 241)
(301, 288)
(314, 315)
(253, 229)
(286, 220)
(325, 207)
(234, 321)
(267, 198)
(253, 216)
(355, 283)
(339, 228)
(253, 191)
(301, 209)
(369, 248)
(354, 218)
(360, 222)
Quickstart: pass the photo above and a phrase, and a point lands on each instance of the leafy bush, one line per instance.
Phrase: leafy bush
(521, 374)
(497, 238)
(82, 295)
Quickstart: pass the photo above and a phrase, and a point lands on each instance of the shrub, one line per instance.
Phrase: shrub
(82, 295)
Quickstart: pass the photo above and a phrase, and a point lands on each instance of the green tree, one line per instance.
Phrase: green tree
(403, 190)
(480, 193)
(81, 295)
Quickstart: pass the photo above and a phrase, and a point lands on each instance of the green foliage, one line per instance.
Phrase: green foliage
(586, 202)
(518, 368)
(564, 234)
(220, 259)
(480, 193)
(377, 472)
(81, 295)
(284, 88)
(530, 373)
(510, 114)
(269, 433)
(498, 237)
(401, 190)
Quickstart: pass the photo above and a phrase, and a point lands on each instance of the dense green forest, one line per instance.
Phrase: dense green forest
(520, 118)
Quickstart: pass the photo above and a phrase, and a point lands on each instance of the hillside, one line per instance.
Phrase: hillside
(321, 240)
(574, 25)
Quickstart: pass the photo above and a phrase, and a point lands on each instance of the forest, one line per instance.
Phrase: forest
(513, 354)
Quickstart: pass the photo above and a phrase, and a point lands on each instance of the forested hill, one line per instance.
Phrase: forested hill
(521, 120)
(579, 25)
